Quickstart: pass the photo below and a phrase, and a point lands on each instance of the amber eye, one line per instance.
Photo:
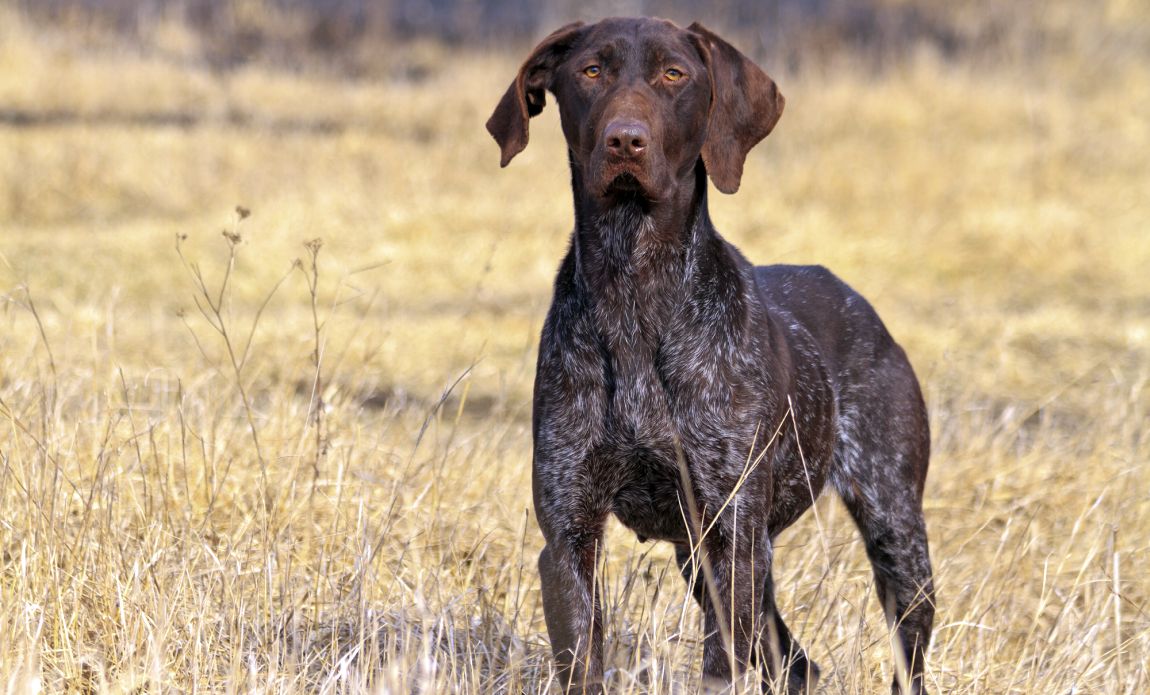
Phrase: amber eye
(673, 75)
(592, 71)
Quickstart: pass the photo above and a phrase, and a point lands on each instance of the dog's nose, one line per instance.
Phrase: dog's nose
(626, 138)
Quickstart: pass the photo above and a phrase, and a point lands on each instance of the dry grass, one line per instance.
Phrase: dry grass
(379, 537)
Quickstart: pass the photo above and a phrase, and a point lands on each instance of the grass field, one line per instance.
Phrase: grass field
(190, 500)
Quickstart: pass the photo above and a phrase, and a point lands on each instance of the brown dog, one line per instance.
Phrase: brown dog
(663, 344)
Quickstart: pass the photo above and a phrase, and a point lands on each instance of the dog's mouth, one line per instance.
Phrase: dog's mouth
(626, 185)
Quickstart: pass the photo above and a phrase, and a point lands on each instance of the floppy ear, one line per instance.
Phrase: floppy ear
(745, 106)
(527, 94)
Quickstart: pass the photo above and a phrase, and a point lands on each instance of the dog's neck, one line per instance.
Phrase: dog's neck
(636, 259)
(623, 239)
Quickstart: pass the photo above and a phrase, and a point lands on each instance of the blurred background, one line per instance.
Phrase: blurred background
(269, 311)
(354, 36)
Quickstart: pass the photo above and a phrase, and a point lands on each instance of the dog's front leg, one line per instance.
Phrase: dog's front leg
(732, 615)
(572, 500)
(571, 608)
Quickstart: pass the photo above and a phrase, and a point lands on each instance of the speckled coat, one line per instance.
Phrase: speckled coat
(663, 345)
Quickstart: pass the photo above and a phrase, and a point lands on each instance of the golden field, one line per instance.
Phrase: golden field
(191, 501)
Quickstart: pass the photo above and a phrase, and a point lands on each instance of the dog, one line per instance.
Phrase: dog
(700, 399)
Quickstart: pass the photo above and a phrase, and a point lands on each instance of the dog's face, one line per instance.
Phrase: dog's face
(633, 97)
(640, 101)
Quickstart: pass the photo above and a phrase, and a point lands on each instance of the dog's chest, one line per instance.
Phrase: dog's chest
(663, 372)
(644, 421)
(646, 496)
(638, 410)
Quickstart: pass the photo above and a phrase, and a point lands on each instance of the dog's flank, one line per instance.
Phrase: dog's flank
(664, 344)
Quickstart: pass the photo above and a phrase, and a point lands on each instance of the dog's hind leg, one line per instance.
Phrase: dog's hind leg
(901, 562)
(882, 467)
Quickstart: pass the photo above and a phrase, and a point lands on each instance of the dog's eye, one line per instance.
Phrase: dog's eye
(673, 75)
(592, 71)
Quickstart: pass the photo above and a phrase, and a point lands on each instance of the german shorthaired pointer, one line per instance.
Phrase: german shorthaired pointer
(700, 399)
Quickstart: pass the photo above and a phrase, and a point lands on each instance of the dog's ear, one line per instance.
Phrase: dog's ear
(745, 106)
(527, 94)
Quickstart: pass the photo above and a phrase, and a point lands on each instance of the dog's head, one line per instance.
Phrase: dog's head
(640, 101)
